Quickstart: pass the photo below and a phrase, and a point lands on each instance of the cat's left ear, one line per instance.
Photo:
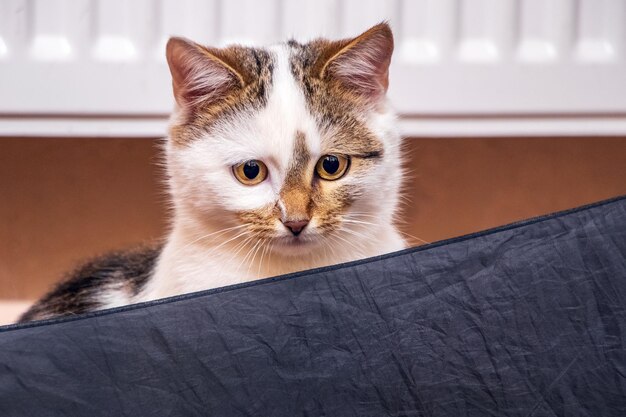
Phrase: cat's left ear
(361, 64)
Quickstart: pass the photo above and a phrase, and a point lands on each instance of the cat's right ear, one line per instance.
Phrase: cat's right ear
(200, 74)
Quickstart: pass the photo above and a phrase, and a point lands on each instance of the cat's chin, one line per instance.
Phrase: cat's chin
(294, 246)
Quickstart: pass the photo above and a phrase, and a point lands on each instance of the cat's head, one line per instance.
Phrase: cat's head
(293, 144)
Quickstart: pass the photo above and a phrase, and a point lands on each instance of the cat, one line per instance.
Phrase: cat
(278, 159)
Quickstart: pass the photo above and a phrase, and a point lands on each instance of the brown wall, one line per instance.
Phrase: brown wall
(67, 199)
(62, 200)
(465, 185)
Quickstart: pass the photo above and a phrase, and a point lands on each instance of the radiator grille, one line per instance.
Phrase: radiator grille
(454, 58)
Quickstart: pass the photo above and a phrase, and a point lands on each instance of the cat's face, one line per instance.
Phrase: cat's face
(293, 144)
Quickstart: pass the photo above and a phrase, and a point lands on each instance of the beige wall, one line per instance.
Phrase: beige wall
(62, 200)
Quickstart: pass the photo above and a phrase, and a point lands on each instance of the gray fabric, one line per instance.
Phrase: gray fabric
(525, 320)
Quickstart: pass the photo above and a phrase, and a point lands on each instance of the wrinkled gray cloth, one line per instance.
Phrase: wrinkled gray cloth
(525, 320)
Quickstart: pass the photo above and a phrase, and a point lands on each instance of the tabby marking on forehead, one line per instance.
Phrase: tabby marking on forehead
(296, 191)
(338, 114)
(297, 171)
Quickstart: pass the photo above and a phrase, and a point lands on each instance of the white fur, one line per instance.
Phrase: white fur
(115, 295)
(199, 255)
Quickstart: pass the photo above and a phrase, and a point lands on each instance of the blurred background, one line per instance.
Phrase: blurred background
(510, 109)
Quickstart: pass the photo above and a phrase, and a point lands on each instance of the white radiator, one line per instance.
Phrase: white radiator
(461, 67)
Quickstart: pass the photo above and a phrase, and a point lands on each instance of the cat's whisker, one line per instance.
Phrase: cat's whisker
(349, 243)
(239, 246)
(359, 222)
(260, 263)
(267, 245)
(236, 250)
(375, 219)
(235, 255)
(373, 224)
(244, 233)
(414, 237)
(242, 246)
(357, 234)
(218, 233)
(258, 272)
(245, 258)
(361, 216)
(251, 263)
(254, 251)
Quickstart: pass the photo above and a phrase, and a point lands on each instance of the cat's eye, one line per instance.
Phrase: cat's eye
(251, 172)
(332, 167)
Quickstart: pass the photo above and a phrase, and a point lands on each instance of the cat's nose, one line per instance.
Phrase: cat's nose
(296, 226)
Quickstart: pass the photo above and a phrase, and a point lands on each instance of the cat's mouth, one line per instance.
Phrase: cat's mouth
(295, 245)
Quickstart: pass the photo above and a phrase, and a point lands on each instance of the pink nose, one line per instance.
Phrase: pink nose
(296, 226)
